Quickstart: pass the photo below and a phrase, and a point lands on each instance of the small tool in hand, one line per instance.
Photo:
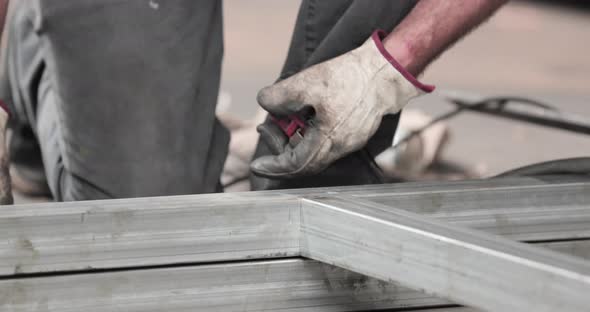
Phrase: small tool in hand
(293, 126)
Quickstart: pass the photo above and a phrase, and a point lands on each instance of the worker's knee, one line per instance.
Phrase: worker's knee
(69, 187)
(64, 184)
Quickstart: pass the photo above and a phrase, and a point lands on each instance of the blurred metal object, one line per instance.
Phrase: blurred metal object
(409, 158)
(518, 108)
(522, 109)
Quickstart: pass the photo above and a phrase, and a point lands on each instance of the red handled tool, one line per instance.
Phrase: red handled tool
(293, 126)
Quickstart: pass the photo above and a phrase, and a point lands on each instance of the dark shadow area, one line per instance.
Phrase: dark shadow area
(572, 4)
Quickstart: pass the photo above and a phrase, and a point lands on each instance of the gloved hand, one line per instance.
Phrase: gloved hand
(349, 96)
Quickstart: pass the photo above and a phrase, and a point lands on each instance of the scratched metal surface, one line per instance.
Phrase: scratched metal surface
(147, 231)
(526, 213)
(466, 266)
(286, 285)
(227, 227)
(290, 285)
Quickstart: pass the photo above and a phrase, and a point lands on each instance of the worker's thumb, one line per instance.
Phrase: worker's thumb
(273, 136)
(282, 99)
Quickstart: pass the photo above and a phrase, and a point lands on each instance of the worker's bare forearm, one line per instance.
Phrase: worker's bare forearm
(434, 25)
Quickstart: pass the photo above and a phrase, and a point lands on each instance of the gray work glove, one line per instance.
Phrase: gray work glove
(349, 95)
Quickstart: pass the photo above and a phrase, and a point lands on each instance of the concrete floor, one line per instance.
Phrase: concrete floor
(528, 48)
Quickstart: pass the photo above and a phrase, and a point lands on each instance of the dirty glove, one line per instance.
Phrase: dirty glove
(349, 95)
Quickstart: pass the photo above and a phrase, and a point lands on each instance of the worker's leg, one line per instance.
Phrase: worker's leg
(326, 29)
(123, 95)
(22, 64)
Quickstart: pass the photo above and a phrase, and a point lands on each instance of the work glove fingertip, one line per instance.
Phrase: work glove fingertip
(283, 98)
(282, 166)
(273, 137)
(271, 98)
(260, 166)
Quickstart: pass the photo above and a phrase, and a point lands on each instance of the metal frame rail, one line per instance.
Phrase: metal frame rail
(330, 249)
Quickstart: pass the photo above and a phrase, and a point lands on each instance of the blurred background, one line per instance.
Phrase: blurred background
(534, 49)
(537, 49)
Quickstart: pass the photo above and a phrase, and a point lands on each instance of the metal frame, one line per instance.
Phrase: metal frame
(463, 265)
(286, 284)
(145, 247)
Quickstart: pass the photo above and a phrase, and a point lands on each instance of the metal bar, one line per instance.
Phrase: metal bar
(148, 231)
(561, 211)
(228, 227)
(466, 266)
(291, 285)
(286, 285)
(422, 187)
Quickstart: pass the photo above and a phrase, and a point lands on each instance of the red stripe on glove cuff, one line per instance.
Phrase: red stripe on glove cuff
(377, 37)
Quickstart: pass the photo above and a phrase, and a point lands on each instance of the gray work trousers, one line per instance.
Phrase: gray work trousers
(121, 94)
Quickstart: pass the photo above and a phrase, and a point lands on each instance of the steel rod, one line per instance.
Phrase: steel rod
(150, 231)
(537, 116)
(292, 285)
(471, 267)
